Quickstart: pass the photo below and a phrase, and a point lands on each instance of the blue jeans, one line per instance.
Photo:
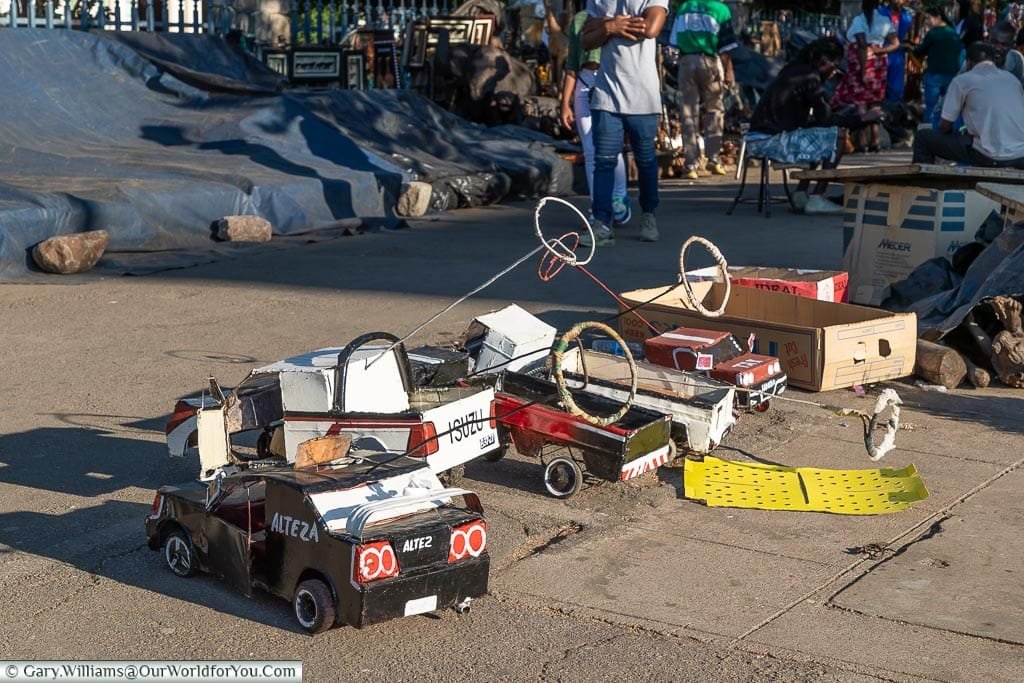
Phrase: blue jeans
(608, 130)
(935, 86)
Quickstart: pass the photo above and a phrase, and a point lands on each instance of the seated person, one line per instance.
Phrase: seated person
(990, 100)
(793, 123)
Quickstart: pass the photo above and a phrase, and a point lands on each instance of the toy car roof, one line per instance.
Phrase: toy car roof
(311, 361)
(696, 335)
(359, 467)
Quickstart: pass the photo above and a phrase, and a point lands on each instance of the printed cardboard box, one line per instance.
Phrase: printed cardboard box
(823, 285)
(821, 345)
(889, 230)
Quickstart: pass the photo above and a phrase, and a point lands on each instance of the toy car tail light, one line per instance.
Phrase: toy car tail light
(374, 561)
(468, 540)
(182, 412)
(158, 504)
(744, 379)
(422, 440)
(493, 416)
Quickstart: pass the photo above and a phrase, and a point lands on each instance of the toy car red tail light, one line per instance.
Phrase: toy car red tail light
(374, 561)
(158, 503)
(468, 540)
(493, 416)
(422, 440)
(182, 412)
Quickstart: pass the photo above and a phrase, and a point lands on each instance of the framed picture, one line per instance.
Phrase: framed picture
(355, 70)
(277, 61)
(416, 56)
(460, 30)
(315, 65)
(483, 26)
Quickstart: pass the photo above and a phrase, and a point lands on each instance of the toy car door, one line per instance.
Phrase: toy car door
(228, 528)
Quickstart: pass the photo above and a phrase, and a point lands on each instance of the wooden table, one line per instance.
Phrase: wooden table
(1010, 196)
(939, 176)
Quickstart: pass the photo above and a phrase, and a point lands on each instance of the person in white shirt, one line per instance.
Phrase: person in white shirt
(991, 101)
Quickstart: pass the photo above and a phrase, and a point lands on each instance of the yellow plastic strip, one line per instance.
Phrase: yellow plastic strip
(723, 483)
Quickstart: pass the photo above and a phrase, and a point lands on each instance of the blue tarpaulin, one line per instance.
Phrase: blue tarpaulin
(112, 131)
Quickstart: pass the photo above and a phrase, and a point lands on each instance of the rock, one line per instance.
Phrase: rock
(75, 253)
(244, 229)
(414, 200)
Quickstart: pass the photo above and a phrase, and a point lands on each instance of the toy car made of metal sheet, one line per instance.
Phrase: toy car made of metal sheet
(336, 390)
(370, 539)
(532, 420)
(701, 408)
(720, 355)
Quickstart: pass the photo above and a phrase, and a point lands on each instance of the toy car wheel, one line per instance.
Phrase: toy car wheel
(179, 555)
(562, 477)
(453, 476)
(497, 454)
(314, 606)
(763, 406)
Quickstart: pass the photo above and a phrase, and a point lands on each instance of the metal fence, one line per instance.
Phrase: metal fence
(313, 22)
(820, 24)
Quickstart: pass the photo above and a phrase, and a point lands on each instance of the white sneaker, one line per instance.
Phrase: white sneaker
(817, 205)
(800, 200)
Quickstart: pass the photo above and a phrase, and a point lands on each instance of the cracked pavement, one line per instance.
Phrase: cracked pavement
(621, 582)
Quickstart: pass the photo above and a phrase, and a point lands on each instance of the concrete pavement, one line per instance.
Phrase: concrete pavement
(621, 582)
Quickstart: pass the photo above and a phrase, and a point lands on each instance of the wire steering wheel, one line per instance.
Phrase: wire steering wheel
(565, 396)
(723, 269)
(561, 252)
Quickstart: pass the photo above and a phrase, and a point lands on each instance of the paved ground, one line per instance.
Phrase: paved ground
(622, 582)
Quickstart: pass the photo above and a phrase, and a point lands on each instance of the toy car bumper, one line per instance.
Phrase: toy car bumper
(762, 393)
(434, 590)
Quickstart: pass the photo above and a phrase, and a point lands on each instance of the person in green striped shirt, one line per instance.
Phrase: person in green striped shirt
(704, 34)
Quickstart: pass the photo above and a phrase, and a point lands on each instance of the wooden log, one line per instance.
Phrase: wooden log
(978, 377)
(939, 364)
(322, 450)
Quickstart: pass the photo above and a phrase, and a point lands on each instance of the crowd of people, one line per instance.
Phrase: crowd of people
(828, 99)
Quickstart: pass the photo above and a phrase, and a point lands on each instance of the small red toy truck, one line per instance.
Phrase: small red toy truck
(720, 355)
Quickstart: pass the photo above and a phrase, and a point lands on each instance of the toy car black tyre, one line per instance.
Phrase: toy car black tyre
(563, 477)
(179, 554)
(763, 406)
(497, 454)
(313, 605)
(453, 476)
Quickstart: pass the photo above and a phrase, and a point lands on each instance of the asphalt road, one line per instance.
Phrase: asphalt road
(622, 582)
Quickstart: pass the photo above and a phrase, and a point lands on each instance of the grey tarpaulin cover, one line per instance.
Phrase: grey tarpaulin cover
(96, 135)
(998, 270)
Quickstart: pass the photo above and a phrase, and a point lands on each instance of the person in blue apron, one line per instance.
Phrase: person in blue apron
(896, 76)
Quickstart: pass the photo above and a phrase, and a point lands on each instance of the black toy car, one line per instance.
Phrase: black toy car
(358, 542)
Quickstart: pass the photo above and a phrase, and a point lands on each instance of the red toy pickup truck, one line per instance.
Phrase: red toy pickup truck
(721, 356)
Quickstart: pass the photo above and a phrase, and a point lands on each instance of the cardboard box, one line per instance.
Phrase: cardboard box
(889, 230)
(823, 285)
(821, 345)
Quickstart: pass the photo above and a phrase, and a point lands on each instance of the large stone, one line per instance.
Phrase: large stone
(66, 254)
(414, 200)
(244, 229)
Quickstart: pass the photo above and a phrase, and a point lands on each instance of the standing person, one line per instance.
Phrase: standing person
(896, 65)
(990, 100)
(941, 48)
(625, 99)
(871, 38)
(580, 75)
(704, 35)
(970, 26)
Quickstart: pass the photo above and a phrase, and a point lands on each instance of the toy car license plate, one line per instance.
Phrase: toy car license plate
(421, 605)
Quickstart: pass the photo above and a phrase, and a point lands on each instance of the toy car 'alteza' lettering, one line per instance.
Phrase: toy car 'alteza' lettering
(463, 427)
(417, 543)
(289, 526)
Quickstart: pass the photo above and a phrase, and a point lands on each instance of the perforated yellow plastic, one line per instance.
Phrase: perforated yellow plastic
(723, 483)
